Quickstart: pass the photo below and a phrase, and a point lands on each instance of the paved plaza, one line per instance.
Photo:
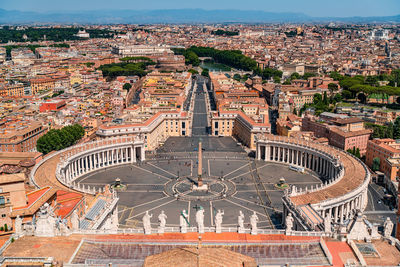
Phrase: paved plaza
(253, 182)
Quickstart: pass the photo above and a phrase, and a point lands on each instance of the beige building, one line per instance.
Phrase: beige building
(155, 130)
(12, 194)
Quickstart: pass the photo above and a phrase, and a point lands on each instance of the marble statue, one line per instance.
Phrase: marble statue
(114, 219)
(200, 220)
(147, 223)
(253, 223)
(387, 228)
(18, 225)
(74, 220)
(162, 218)
(218, 221)
(328, 224)
(289, 222)
(241, 222)
(183, 221)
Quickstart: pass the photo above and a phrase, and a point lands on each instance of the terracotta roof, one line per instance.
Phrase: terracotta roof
(12, 178)
(35, 200)
(204, 257)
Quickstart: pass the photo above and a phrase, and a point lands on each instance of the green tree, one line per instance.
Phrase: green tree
(193, 71)
(376, 164)
(396, 128)
(357, 154)
(295, 76)
(308, 75)
(332, 87)
(294, 111)
(317, 98)
(325, 99)
(237, 77)
(205, 72)
(127, 86)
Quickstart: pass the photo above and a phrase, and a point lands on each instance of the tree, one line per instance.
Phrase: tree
(332, 87)
(192, 58)
(371, 80)
(337, 98)
(357, 154)
(317, 98)
(346, 94)
(308, 75)
(325, 99)
(59, 139)
(295, 76)
(205, 72)
(237, 77)
(376, 164)
(277, 79)
(396, 128)
(127, 86)
(193, 71)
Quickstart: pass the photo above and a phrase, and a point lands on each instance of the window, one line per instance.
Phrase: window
(2, 201)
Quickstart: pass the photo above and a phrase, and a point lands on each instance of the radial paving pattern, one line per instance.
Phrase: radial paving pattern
(150, 186)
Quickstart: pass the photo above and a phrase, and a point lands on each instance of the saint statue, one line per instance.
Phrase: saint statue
(200, 220)
(218, 221)
(147, 223)
(289, 222)
(241, 222)
(183, 221)
(162, 218)
(387, 228)
(253, 223)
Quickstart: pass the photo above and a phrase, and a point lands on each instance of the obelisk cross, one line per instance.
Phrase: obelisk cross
(200, 167)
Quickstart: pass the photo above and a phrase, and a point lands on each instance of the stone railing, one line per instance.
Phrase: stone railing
(193, 229)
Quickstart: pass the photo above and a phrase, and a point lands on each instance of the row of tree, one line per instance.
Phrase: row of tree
(232, 58)
(57, 139)
(364, 88)
(225, 33)
(390, 130)
(126, 68)
(51, 34)
(322, 103)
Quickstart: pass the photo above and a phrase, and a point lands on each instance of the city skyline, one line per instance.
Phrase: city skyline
(311, 8)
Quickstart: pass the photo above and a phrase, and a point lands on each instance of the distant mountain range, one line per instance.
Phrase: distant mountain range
(175, 16)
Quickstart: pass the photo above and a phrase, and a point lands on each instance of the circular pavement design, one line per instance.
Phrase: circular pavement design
(236, 182)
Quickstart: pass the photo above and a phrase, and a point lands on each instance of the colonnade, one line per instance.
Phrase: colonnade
(327, 167)
(299, 156)
(102, 157)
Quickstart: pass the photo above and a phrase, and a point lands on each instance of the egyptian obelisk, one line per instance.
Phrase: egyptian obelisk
(200, 169)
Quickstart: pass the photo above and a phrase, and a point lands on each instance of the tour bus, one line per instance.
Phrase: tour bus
(296, 168)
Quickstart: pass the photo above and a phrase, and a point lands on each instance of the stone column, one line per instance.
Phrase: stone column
(336, 214)
(279, 153)
(341, 214)
(134, 154)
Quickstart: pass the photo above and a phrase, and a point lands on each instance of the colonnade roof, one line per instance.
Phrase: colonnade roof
(354, 172)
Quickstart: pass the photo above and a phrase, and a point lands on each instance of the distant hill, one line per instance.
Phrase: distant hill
(174, 16)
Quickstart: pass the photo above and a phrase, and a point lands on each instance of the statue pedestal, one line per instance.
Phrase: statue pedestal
(161, 230)
(203, 187)
(241, 230)
(254, 231)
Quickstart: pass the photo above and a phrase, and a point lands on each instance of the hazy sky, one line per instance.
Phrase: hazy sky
(316, 8)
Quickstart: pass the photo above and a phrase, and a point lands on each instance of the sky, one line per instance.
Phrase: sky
(315, 8)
